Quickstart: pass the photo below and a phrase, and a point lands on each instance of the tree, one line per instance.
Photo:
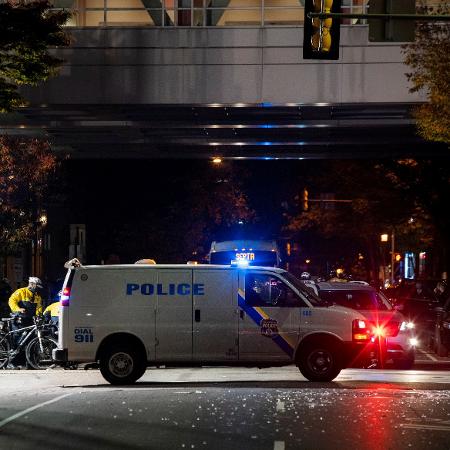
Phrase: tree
(168, 211)
(25, 167)
(427, 184)
(27, 29)
(378, 201)
(429, 58)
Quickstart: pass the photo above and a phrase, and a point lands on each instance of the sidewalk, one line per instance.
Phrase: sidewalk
(428, 360)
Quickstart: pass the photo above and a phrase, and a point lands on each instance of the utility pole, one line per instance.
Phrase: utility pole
(392, 257)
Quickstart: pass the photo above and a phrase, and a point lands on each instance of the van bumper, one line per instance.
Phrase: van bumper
(59, 355)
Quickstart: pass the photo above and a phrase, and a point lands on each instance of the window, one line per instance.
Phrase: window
(360, 300)
(267, 290)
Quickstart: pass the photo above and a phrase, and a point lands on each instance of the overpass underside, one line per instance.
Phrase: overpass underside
(237, 131)
(236, 92)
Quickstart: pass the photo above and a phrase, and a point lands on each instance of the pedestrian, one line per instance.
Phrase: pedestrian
(420, 293)
(443, 296)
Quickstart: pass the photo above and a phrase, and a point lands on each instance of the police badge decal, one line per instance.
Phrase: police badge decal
(269, 327)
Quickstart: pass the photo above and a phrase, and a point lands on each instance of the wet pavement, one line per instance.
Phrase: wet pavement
(226, 408)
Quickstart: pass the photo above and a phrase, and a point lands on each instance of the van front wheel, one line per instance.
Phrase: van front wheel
(319, 361)
(121, 365)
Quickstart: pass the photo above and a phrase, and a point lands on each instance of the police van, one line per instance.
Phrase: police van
(128, 317)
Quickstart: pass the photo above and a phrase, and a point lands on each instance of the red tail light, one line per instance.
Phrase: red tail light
(389, 329)
(361, 331)
(65, 297)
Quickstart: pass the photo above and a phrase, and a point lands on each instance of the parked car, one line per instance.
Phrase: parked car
(395, 333)
(417, 302)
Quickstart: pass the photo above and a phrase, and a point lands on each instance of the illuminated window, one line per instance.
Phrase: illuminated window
(211, 13)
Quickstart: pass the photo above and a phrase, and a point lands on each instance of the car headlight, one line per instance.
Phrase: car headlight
(407, 326)
(414, 342)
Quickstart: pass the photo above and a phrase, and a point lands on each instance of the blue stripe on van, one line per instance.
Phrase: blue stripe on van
(257, 317)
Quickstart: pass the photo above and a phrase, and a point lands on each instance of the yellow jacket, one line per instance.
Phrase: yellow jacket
(24, 295)
(53, 309)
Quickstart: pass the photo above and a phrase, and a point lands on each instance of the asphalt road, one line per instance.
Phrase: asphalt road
(225, 408)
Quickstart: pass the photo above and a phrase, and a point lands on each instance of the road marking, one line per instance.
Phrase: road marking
(428, 356)
(28, 410)
(278, 445)
(426, 427)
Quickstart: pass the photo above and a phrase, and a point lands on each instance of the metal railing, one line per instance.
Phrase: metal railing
(192, 13)
(197, 13)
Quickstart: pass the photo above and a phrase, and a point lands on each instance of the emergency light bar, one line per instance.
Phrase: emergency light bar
(240, 262)
(65, 296)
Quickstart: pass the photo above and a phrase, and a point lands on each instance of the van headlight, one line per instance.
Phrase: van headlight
(407, 326)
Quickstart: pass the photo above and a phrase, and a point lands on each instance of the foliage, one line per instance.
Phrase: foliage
(427, 182)
(379, 201)
(213, 203)
(27, 29)
(25, 166)
(172, 218)
(429, 58)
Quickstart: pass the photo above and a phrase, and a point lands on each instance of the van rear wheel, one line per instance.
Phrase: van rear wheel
(121, 365)
(319, 361)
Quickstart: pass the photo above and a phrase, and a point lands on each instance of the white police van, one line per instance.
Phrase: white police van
(128, 317)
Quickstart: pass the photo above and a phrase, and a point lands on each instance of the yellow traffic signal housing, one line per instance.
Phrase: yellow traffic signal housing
(305, 195)
(321, 36)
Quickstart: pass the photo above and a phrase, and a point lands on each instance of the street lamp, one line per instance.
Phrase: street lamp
(40, 224)
(385, 238)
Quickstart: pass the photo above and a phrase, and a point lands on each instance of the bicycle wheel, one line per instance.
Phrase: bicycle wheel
(37, 357)
(4, 351)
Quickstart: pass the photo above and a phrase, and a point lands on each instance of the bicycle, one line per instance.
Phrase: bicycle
(34, 339)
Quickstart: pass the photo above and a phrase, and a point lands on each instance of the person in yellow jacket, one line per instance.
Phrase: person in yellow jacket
(26, 303)
(52, 311)
(22, 299)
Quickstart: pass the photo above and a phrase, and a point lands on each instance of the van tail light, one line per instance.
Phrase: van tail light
(65, 297)
(361, 331)
(388, 329)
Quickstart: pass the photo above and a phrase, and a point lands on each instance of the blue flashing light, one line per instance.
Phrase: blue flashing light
(64, 297)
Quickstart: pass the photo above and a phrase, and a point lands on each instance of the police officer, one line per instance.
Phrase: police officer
(26, 300)
(25, 303)
(52, 313)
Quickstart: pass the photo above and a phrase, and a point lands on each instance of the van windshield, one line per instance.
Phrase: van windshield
(308, 293)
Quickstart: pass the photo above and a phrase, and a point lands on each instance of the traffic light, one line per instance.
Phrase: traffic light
(321, 36)
(305, 205)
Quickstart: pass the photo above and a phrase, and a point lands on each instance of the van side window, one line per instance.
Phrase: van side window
(266, 290)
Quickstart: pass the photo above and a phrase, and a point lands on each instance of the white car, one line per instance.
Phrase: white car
(395, 334)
